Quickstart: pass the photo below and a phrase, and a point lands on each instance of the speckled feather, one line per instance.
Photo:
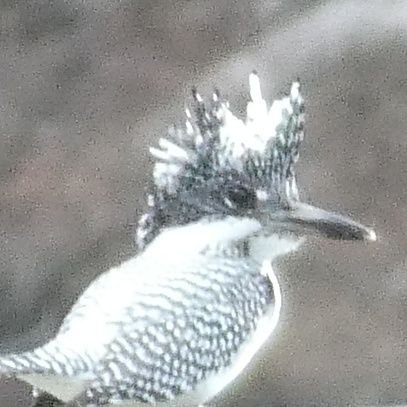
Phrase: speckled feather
(193, 330)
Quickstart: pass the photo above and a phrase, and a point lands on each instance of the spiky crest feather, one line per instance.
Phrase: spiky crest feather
(215, 144)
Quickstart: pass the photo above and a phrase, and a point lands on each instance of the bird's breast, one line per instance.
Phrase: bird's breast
(190, 333)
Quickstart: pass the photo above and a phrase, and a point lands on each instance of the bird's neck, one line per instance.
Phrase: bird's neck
(272, 246)
(204, 236)
(228, 236)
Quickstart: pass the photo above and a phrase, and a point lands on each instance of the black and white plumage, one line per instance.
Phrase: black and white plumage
(177, 323)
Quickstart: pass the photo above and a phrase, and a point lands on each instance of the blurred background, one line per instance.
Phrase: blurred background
(86, 87)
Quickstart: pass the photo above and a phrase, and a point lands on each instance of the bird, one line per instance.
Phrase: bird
(182, 319)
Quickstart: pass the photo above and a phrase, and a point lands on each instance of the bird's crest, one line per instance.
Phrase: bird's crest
(215, 144)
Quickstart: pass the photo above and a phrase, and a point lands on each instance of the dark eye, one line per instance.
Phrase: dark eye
(240, 198)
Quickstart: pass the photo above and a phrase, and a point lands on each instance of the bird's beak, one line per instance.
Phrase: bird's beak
(304, 219)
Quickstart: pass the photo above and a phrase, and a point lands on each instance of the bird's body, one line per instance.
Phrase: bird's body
(177, 323)
(186, 328)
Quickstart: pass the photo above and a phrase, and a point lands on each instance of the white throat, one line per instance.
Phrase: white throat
(199, 236)
(223, 233)
(270, 247)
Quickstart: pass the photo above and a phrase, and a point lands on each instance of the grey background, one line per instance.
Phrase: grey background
(85, 87)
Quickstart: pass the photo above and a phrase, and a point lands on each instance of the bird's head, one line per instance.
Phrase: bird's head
(226, 179)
